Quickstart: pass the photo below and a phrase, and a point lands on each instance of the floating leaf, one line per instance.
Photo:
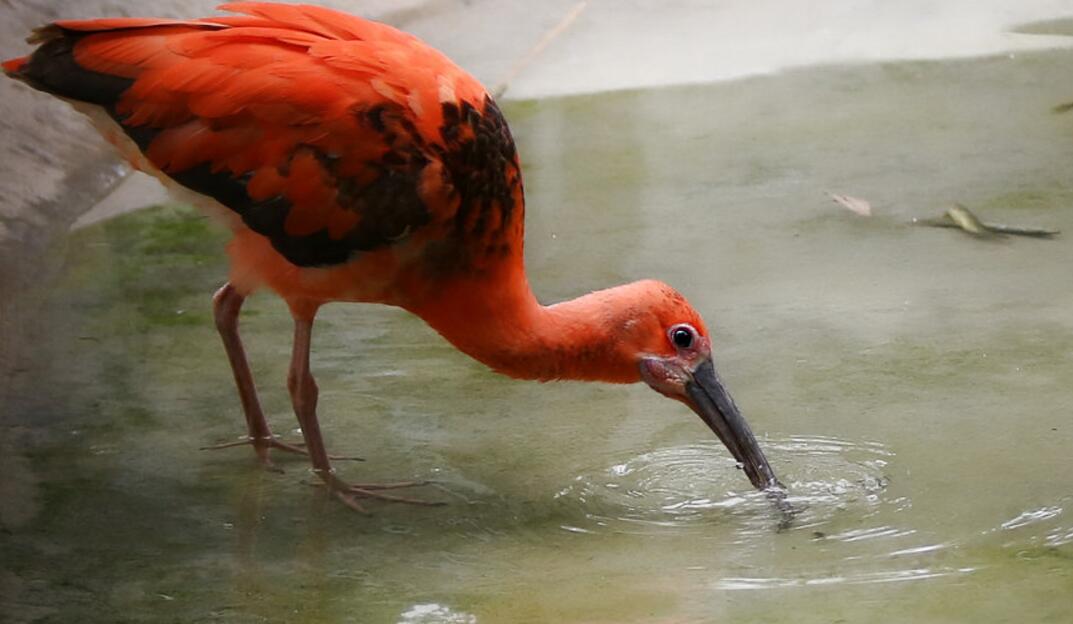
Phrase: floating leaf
(856, 204)
(1018, 230)
(951, 216)
(967, 221)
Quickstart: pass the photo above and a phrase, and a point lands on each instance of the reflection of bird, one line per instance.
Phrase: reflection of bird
(355, 163)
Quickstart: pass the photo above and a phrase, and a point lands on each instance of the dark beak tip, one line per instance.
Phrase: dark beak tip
(716, 407)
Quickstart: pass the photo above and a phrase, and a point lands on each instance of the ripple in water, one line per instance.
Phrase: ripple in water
(1042, 526)
(433, 613)
(690, 487)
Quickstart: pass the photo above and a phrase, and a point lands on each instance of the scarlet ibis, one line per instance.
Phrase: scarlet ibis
(353, 162)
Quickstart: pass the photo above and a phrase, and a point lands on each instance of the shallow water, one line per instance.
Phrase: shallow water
(911, 386)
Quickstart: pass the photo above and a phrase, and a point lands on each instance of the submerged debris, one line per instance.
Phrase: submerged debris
(856, 204)
(958, 216)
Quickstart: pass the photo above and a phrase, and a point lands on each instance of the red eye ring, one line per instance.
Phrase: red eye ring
(682, 336)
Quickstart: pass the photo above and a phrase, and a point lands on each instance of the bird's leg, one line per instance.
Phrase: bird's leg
(226, 304)
(303, 389)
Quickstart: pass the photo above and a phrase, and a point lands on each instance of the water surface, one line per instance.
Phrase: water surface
(911, 386)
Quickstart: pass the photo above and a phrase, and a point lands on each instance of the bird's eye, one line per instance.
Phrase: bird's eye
(683, 336)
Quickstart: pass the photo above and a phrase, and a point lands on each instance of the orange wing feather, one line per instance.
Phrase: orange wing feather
(328, 134)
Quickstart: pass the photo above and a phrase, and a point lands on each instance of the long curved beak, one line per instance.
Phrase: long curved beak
(711, 401)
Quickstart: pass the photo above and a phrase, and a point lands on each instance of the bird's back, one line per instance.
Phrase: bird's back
(344, 150)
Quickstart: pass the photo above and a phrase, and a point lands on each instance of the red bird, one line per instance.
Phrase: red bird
(353, 162)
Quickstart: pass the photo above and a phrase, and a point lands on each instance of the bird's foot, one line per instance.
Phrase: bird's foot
(351, 493)
(261, 445)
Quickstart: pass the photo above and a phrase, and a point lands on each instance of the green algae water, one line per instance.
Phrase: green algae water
(911, 386)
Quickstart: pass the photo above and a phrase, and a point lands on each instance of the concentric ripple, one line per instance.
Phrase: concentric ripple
(688, 487)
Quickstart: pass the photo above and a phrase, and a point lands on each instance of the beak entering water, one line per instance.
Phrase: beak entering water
(707, 396)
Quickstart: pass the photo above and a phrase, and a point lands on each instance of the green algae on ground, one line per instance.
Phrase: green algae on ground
(156, 258)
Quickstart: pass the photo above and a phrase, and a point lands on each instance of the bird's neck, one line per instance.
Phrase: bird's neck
(500, 323)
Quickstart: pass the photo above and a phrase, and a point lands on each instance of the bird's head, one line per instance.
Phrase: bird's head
(643, 331)
(667, 341)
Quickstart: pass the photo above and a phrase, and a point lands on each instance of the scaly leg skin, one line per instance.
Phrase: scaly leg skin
(226, 304)
(303, 389)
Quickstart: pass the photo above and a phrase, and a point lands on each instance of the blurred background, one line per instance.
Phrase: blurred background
(911, 383)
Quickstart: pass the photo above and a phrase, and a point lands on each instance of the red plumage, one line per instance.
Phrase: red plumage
(355, 163)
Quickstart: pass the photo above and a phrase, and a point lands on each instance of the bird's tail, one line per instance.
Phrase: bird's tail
(53, 66)
(14, 66)
(17, 67)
